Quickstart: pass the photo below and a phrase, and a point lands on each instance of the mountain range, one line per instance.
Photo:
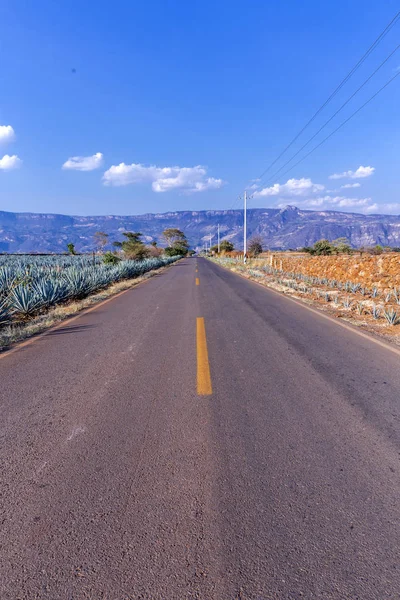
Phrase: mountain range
(286, 228)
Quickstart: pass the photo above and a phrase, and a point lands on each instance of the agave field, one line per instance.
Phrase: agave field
(348, 296)
(32, 284)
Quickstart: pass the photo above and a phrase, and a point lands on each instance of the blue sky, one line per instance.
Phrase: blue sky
(179, 105)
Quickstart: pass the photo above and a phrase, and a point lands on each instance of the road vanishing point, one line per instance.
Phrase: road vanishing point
(200, 437)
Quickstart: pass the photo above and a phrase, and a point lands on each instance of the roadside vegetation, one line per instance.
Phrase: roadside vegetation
(32, 286)
(177, 244)
(341, 246)
(225, 246)
(254, 249)
(361, 287)
(322, 247)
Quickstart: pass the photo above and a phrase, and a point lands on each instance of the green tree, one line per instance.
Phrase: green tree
(342, 246)
(323, 248)
(255, 246)
(377, 250)
(101, 240)
(173, 235)
(133, 236)
(226, 246)
(71, 249)
(173, 251)
(110, 258)
(177, 243)
(133, 247)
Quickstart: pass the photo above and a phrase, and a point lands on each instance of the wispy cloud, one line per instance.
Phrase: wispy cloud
(391, 208)
(293, 187)
(360, 173)
(84, 163)
(8, 163)
(7, 134)
(162, 179)
(350, 186)
(336, 202)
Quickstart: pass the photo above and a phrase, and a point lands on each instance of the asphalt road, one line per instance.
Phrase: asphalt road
(120, 482)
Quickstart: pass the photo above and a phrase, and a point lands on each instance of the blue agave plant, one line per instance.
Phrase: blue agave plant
(23, 301)
(4, 313)
(29, 283)
(375, 311)
(391, 316)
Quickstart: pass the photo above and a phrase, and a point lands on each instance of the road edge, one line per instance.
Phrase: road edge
(374, 337)
(30, 339)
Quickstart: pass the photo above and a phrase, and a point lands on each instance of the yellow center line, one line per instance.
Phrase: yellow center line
(204, 387)
(197, 281)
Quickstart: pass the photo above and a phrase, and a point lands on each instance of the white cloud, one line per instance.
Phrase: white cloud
(293, 187)
(343, 203)
(8, 163)
(84, 163)
(392, 208)
(349, 186)
(7, 133)
(162, 179)
(372, 208)
(351, 202)
(334, 203)
(360, 173)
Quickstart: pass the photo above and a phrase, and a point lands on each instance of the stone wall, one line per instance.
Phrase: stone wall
(382, 271)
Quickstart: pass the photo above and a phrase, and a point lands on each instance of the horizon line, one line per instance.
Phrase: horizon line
(217, 210)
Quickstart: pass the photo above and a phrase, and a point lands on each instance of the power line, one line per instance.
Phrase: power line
(334, 93)
(333, 116)
(339, 87)
(236, 204)
(341, 125)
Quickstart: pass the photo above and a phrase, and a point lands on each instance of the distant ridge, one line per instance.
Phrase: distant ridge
(285, 228)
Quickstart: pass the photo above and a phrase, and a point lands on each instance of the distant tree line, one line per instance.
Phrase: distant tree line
(254, 247)
(341, 246)
(134, 248)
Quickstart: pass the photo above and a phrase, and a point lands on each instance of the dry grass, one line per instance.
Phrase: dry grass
(18, 332)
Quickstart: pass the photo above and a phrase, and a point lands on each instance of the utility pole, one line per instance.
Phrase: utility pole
(210, 241)
(219, 245)
(245, 228)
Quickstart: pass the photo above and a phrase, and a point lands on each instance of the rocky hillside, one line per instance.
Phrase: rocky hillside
(284, 228)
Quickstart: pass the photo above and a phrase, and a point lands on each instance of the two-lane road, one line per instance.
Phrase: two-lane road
(200, 437)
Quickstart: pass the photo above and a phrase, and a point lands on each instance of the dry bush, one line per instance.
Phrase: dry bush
(154, 251)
